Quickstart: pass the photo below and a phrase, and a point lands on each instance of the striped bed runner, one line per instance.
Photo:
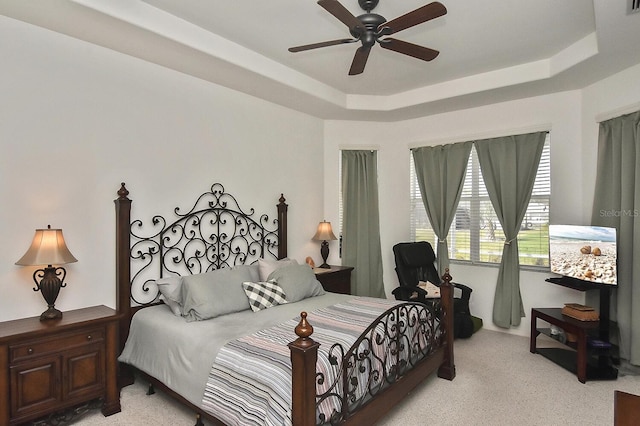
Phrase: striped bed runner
(250, 380)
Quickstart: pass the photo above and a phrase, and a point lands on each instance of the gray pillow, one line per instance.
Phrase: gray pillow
(170, 293)
(297, 281)
(215, 293)
(253, 269)
(266, 267)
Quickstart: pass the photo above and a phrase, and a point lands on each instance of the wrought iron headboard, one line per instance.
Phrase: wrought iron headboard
(214, 233)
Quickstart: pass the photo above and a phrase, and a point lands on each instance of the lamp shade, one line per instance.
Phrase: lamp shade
(324, 233)
(48, 248)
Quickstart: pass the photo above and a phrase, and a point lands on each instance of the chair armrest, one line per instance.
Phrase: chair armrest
(466, 291)
(405, 292)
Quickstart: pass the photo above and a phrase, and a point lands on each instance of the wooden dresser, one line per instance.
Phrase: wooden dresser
(336, 279)
(49, 366)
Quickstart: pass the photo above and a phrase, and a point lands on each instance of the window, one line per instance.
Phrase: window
(475, 235)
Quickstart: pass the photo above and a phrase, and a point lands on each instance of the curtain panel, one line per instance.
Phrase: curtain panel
(509, 166)
(617, 204)
(441, 172)
(361, 223)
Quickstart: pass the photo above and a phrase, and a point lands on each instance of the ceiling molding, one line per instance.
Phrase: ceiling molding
(141, 30)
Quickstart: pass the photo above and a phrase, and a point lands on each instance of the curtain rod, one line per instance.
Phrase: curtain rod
(359, 147)
(617, 112)
(486, 135)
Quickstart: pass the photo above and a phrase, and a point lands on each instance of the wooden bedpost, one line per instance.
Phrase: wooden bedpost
(282, 227)
(304, 355)
(123, 274)
(448, 368)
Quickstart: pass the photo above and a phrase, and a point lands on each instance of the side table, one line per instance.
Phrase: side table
(336, 279)
(587, 363)
(50, 366)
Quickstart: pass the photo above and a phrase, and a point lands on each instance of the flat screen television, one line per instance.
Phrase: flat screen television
(587, 253)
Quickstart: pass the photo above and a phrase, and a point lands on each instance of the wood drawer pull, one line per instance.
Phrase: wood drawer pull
(89, 337)
(30, 351)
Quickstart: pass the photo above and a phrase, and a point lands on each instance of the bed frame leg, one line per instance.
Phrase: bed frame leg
(199, 420)
(151, 390)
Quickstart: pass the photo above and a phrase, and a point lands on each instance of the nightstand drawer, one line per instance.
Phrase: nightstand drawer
(36, 348)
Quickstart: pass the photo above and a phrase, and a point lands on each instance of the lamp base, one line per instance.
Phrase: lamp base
(50, 314)
(49, 285)
(324, 252)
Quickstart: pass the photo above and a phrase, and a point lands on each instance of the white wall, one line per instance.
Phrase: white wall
(78, 119)
(561, 113)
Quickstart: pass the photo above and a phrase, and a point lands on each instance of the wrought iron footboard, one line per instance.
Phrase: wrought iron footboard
(392, 345)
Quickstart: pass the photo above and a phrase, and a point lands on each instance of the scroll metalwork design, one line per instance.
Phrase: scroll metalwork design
(392, 345)
(215, 233)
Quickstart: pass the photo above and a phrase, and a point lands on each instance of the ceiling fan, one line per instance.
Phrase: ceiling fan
(369, 28)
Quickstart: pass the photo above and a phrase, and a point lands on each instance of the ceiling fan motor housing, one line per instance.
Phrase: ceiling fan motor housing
(371, 22)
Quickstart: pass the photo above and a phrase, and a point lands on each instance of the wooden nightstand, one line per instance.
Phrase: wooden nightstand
(337, 279)
(49, 366)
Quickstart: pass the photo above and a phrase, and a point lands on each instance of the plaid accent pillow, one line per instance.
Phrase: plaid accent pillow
(264, 294)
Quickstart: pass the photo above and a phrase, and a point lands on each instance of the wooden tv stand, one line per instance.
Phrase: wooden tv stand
(588, 363)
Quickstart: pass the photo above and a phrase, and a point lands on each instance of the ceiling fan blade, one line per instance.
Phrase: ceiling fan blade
(410, 49)
(322, 44)
(415, 17)
(335, 8)
(359, 60)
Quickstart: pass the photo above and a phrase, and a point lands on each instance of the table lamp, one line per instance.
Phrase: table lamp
(324, 234)
(48, 248)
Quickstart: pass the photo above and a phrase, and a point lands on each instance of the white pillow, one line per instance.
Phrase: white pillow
(170, 293)
(263, 295)
(266, 267)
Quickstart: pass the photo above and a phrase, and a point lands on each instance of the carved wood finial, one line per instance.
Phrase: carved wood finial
(303, 329)
(282, 199)
(446, 277)
(122, 192)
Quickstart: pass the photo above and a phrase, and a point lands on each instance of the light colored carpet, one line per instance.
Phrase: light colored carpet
(498, 382)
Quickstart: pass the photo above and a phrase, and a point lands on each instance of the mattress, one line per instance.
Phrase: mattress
(180, 354)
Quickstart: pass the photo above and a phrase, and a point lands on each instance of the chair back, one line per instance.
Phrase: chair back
(415, 262)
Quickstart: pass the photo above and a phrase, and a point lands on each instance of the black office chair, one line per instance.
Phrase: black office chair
(415, 262)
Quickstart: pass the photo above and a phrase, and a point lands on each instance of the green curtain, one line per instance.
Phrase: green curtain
(509, 166)
(617, 204)
(361, 222)
(441, 171)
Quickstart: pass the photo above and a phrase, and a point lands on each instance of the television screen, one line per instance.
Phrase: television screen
(588, 253)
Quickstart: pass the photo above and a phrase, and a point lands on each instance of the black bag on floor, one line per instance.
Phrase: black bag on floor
(462, 325)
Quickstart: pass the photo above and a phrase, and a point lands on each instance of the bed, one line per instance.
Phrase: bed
(215, 313)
